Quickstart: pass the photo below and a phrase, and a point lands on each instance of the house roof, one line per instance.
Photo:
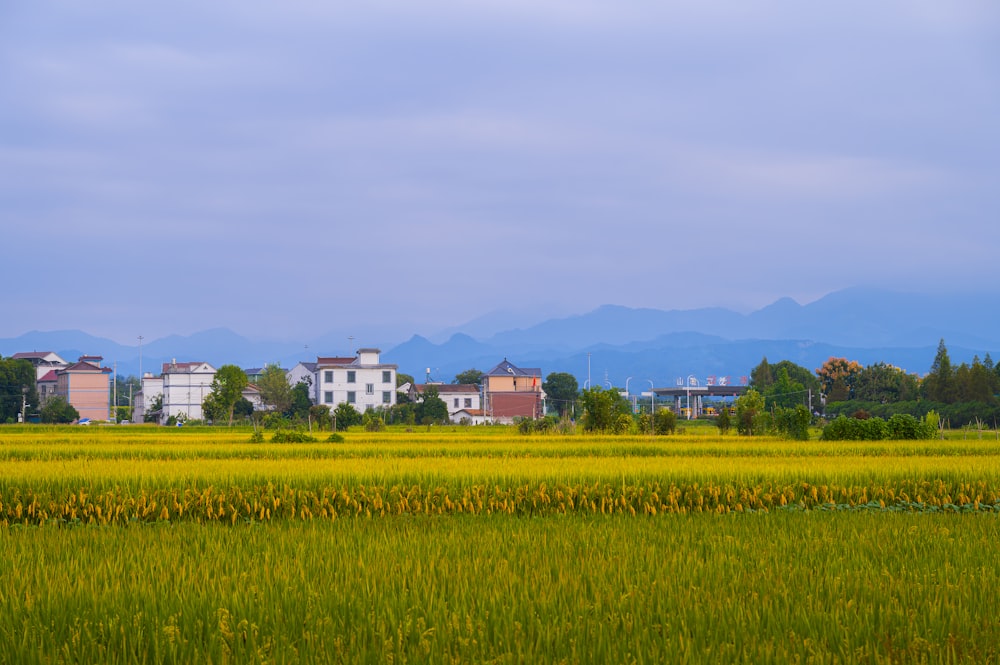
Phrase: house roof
(183, 368)
(35, 355)
(471, 412)
(309, 367)
(48, 377)
(507, 368)
(449, 388)
(83, 366)
(333, 361)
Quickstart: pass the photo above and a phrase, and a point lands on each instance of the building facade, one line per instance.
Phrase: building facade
(511, 392)
(185, 387)
(361, 381)
(87, 387)
(456, 396)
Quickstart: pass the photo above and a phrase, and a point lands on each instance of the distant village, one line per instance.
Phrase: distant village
(177, 392)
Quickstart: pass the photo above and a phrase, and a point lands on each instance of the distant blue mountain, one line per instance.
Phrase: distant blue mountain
(866, 325)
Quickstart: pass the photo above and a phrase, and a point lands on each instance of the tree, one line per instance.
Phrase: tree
(836, 378)
(561, 391)
(939, 384)
(750, 414)
(301, 403)
(665, 421)
(345, 416)
(401, 380)
(431, 408)
(227, 389)
(602, 410)
(761, 376)
(57, 410)
(321, 416)
(275, 392)
(784, 392)
(884, 384)
(469, 376)
(17, 386)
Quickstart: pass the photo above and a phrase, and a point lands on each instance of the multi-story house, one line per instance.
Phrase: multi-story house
(512, 392)
(457, 396)
(86, 386)
(361, 381)
(43, 362)
(145, 400)
(185, 387)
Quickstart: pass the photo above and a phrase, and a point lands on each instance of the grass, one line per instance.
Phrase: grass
(481, 545)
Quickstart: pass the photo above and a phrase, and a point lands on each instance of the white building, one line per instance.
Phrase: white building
(457, 396)
(144, 400)
(301, 372)
(185, 387)
(362, 381)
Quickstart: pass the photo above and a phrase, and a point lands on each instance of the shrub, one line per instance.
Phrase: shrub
(257, 437)
(665, 421)
(335, 438)
(291, 436)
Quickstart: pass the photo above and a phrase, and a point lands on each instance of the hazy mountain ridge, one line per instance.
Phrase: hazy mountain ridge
(862, 324)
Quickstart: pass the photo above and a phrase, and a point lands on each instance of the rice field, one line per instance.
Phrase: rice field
(137, 544)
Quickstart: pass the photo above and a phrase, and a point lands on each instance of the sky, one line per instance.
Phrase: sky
(393, 167)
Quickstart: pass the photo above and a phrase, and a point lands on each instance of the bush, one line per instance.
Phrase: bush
(291, 436)
(335, 438)
(665, 421)
(257, 437)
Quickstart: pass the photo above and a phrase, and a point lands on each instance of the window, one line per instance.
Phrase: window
(468, 402)
(386, 376)
(369, 388)
(456, 402)
(328, 376)
(387, 397)
(350, 375)
(328, 397)
(352, 397)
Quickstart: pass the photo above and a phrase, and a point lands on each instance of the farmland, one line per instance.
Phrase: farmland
(145, 544)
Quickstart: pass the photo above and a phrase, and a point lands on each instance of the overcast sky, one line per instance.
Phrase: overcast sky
(288, 169)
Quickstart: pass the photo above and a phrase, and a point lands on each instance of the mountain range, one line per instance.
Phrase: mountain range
(612, 343)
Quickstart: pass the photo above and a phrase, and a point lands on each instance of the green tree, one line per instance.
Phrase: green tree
(722, 421)
(345, 416)
(939, 384)
(469, 376)
(301, 402)
(320, 416)
(602, 410)
(561, 391)
(275, 391)
(665, 421)
(761, 376)
(57, 410)
(226, 390)
(431, 408)
(751, 418)
(784, 392)
(17, 386)
(401, 380)
(884, 384)
(793, 422)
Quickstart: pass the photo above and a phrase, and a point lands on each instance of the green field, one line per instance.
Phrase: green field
(470, 545)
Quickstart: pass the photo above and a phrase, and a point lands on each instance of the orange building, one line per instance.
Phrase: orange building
(512, 392)
(87, 387)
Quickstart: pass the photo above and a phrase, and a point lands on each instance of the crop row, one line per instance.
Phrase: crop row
(272, 503)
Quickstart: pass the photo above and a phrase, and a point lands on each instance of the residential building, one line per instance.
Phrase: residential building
(145, 400)
(185, 387)
(361, 381)
(472, 416)
(46, 386)
(457, 397)
(512, 392)
(301, 372)
(43, 361)
(87, 387)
